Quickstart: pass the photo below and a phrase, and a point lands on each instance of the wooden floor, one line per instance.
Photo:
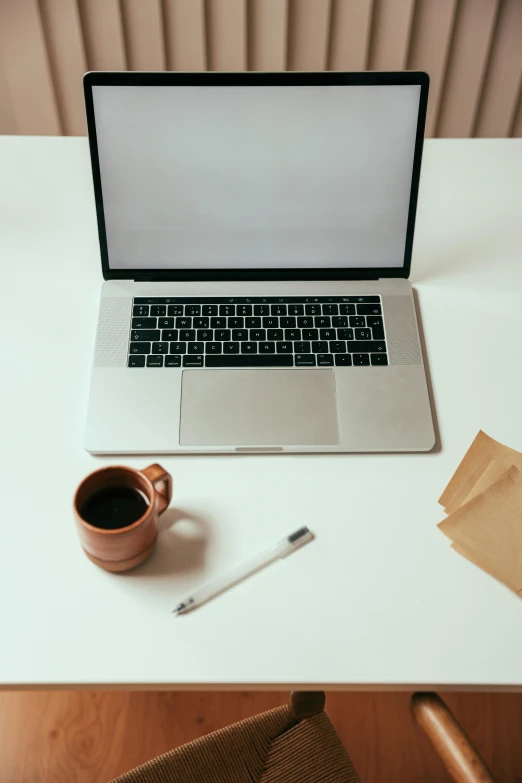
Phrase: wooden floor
(90, 737)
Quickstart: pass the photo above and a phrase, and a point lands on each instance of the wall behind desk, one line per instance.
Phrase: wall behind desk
(472, 50)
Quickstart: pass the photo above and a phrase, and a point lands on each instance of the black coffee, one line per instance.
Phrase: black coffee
(114, 507)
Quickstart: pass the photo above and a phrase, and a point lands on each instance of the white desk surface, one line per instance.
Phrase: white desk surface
(379, 599)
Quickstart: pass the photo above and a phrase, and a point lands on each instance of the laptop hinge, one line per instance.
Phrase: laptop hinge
(159, 279)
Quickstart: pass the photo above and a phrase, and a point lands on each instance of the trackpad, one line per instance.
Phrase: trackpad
(258, 408)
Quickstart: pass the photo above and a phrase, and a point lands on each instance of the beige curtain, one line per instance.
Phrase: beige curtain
(472, 50)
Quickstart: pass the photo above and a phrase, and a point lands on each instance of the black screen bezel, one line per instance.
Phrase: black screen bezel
(101, 78)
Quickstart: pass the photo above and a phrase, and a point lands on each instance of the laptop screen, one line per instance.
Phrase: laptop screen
(256, 177)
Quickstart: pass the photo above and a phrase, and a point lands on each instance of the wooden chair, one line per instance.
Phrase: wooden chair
(294, 744)
(449, 739)
(298, 744)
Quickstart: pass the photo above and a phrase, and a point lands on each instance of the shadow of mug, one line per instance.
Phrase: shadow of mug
(180, 554)
(182, 543)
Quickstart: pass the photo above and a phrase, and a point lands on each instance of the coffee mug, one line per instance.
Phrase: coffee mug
(117, 510)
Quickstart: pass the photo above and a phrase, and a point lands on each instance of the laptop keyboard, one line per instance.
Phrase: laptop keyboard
(327, 331)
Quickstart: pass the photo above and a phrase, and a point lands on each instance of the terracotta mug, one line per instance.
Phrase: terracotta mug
(123, 548)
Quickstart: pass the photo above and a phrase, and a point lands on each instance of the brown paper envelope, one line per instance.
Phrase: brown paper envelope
(474, 463)
(488, 529)
(492, 471)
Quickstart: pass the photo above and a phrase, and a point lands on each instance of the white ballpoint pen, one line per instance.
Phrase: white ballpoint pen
(283, 548)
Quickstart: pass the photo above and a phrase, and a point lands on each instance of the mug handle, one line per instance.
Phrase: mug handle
(162, 483)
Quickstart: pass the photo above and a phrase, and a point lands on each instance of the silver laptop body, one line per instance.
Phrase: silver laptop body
(256, 233)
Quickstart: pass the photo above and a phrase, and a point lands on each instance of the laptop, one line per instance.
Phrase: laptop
(256, 234)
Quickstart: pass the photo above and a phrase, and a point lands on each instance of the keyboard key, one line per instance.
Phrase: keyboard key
(160, 348)
(366, 346)
(330, 309)
(136, 361)
(139, 348)
(140, 310)
(327, 334)
(231, 348)
(144, 323)
(320, 346)
(183, 323)
(218, 323)
(209, 310)
(345, 334)
(284, 347)
(187, 334)
(175, 310)
(292, 334)
(193, 361)
(165, 323)
(375, 321)
(339, 320)
(172, 361)
(347, 309)
(278, 309)
(357, 321)
(310, 334)
(363, 334)
(195, 347)
(240, 334)
(178, 347)
(379, 358)
(154, 361)
(338, 346)
(301, 347)
(295, 309)
(227, 309)
(304, 360)
(360, 360)
(170, 335)
(158, 310)
(201, 323)
(274, 334)
(222, 334)
(288, 322)
(254, 360)
(261, 309)
(270, 323)
(244, 310)
(259, 335)
(253, 323)
(236, 323)
(145, 335)
(343, 360)
(248, 347)
(306, 322)
(204, 334)
(313, 309)
(213, 348)
(192, 309)
(364, 309)
(325, 360)
(323, 321)
(266, 347)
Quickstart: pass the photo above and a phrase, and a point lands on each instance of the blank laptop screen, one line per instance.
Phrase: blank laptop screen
(256, 177)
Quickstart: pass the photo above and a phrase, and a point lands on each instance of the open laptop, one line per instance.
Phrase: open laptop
(256, 234)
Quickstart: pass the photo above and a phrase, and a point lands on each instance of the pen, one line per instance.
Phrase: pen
(283, 548)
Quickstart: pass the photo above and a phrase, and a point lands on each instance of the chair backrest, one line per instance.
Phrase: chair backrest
(295, 744)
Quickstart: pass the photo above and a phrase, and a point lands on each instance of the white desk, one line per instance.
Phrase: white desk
(379, 600)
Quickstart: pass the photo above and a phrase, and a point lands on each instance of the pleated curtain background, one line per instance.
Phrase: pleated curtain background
(472, 50)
